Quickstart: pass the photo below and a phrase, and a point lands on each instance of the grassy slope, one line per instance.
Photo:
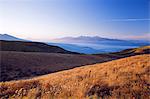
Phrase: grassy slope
(134, 51)
(128, 52)
(127, 77)
(17, 65)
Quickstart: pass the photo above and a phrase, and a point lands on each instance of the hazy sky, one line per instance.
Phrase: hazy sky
(47, 19)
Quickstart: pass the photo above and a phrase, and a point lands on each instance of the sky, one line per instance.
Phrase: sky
(48, 19)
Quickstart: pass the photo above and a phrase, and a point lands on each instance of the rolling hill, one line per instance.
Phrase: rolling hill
(124, 78)
(18, 65)
(128, 52)
(133, 51)
(26, 46)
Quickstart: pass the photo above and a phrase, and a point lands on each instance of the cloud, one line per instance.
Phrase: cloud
(130, 19)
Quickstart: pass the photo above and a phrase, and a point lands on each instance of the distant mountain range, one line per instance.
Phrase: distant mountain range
(88, 45)
(102, 45)
(83, 39)
(10, 38)
(78, 48)
(99, 40)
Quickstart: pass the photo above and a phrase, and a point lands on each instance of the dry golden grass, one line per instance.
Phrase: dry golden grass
(142, 49)
(133, 51)
(126, 78)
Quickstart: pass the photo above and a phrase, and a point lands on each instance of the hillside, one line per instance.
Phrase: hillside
(134, 51)
(128, 52)
(18, 65)
(23, 46)
(124, 78)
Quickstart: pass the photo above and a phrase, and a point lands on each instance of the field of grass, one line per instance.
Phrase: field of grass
(126, 78)
(18, 65)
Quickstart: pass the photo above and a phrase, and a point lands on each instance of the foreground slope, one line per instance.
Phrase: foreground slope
(127, 77)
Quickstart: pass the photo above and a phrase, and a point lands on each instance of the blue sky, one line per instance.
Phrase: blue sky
(48, 19)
